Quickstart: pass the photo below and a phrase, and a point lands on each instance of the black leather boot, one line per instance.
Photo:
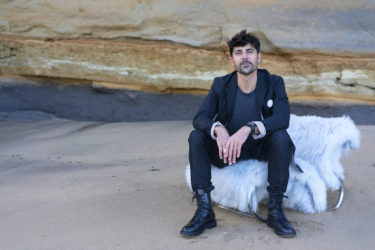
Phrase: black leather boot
(276, 218)
(203, 218)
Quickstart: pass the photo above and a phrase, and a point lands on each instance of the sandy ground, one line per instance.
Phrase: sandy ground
(88, 185)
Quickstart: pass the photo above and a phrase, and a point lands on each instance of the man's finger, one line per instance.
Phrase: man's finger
(235, 146)
(230, 153)
(225, 152)
(220, 151)
(239, 150)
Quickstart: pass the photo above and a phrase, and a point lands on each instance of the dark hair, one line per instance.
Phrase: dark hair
(241, 39)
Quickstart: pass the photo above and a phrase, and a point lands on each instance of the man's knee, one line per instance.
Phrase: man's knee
(196, 137)
(281, 139)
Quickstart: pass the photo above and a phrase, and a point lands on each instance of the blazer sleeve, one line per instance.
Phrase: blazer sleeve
(204, 118)
(280, 111)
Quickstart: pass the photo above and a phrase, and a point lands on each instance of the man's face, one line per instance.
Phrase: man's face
(245, 59)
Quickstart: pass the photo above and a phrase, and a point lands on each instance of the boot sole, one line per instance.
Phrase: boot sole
(280, 233)
(209, 225)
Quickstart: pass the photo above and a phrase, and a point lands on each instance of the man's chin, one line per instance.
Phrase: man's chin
(246, 73)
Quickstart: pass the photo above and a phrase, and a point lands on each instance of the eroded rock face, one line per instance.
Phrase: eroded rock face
(322, 49)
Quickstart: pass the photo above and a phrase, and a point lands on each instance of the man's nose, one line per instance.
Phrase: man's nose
(245, 57)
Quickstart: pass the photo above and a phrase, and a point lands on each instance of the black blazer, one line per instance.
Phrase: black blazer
(219, 103)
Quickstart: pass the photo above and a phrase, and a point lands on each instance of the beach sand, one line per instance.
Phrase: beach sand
(93, 185)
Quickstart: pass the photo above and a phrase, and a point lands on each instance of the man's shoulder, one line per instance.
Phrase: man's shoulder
(272, 78)
(222, 80)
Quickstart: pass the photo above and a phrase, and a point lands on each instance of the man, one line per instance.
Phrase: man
(245, 115)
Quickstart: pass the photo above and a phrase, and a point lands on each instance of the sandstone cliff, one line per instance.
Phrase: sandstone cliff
(324, 50)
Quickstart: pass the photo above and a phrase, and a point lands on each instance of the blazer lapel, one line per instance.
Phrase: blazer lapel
(231, 95)
(260, 90)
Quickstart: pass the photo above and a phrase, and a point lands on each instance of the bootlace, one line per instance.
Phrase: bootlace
(278, 203)
(201, 202)
(195, 196)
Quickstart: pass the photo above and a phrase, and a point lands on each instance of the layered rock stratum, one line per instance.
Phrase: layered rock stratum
(324, 50)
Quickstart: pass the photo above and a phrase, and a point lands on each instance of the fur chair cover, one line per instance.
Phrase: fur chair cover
(320, 143)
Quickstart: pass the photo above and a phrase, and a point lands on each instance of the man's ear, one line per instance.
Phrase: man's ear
(259, 57)
(231, 61)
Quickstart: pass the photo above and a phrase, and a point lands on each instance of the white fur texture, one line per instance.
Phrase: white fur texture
(320, 143)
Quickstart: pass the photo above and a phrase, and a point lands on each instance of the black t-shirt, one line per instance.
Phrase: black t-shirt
(244, 111)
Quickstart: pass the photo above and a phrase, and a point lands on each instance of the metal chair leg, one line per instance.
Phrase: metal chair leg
(249, 215)
(262, 219)
(340, 199)
(254, 214)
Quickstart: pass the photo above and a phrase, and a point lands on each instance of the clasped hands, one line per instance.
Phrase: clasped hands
(230, 146)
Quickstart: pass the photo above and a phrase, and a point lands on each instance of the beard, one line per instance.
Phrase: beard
(246, 69)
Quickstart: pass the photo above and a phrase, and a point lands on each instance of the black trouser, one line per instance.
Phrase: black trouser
(276, 148)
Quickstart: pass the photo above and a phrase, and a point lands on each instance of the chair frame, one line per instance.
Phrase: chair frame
(253, 214)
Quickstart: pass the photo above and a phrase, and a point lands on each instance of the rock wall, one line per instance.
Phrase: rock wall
(324, 50)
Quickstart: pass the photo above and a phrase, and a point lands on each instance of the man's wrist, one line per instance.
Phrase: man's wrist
(246, 129)
(217, 129)
(213, 131)
(260, 130)
(252, 126)
(256, 131)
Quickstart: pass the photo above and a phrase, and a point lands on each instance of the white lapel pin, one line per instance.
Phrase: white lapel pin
(269, 103)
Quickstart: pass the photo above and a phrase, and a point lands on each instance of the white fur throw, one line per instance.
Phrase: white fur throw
(320, 143)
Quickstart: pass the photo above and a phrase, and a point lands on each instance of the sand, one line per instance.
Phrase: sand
(90, 185)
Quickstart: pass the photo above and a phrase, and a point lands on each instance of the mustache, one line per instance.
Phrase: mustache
(246, 62)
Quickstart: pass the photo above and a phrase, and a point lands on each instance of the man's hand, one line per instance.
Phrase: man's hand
(234, 144)
(222, 138)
